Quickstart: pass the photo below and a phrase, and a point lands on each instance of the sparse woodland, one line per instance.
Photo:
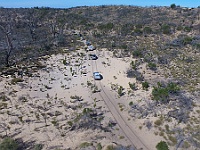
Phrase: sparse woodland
(163, 40)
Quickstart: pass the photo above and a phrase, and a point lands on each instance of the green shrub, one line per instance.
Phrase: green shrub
(187, 29)
(106, 27)
(147, 30)
(160, 94)
(130, 103)
(38, 147)
(179, 28)
(8, 144)
(166, 29)
(172, 87)
(138, 26)
(187, 40)
(70, 123)
(173, 140)
(16, 80)
(99, 147)
(120, 91)
(152, 66)
(64, 61)
(133, 65)
(132, 86)
(145, 85)
(162, 145)
(158, 122)
(87, 110)
(110, 147)
(137, 53)
(123, 46)
(138, 31)
(85, 144)
(3, 105)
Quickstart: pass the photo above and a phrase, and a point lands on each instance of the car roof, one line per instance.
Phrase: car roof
(95, 72)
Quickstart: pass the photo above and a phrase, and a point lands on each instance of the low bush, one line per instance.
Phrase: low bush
(8, 144)
(132, 86)
(145, 85)
(16, 80)
(38, 147)
(162, 145)
(152, 66)
(120, 91)
(161, 93)
(85, 144)
(165, 29)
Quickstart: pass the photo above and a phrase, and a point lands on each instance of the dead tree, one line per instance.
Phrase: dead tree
(7, 33)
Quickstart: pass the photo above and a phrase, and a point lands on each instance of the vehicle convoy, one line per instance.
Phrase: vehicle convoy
(97, 76)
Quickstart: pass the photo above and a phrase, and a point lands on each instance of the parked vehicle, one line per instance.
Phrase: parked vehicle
(90, 48)
(97, 76)
(93, 57)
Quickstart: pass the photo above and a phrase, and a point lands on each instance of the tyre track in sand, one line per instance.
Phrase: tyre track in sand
(128, 132)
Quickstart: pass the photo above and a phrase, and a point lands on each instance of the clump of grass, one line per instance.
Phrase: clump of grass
(38, 147)
(173, 140)
(57, 113)
(16, 80)
(21, 119)
(76, 97)
(110, 147)
(186, 145)
(145, 85)
(99, 146)
(37, 116)
(4, 98)
(54, 122)
(120, 91)
(85, 144)
(167, 127)
(70, 123)
(130, 103)
(121, 107)
(158, 122)
(132, 86)
(65, 61)
(3, 105)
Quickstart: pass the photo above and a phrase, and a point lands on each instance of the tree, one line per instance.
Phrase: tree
(6, 29)
(32, 21)
(173, 6)
(8, 144)
(162, 145)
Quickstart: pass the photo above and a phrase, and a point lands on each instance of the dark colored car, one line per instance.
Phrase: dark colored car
(93, 57)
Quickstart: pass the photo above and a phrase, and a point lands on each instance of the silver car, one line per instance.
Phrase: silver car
(97, 76)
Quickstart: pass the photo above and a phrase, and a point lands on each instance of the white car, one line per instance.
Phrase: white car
(90, 48)
(97, 76)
